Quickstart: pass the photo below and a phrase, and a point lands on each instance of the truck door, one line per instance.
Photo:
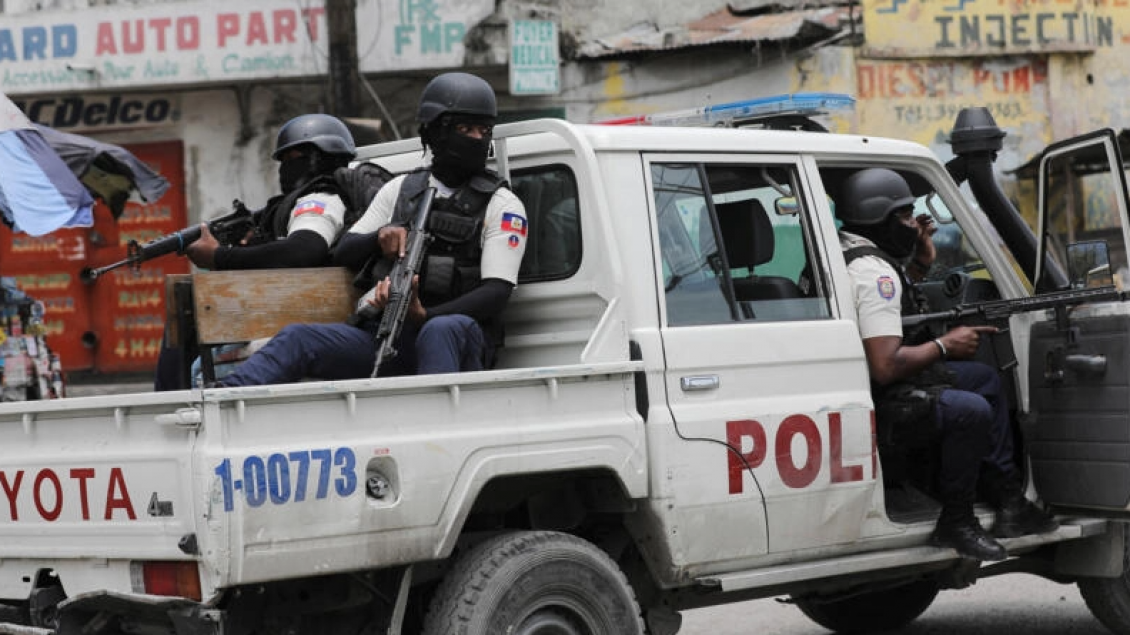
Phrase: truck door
(1078, 434)
(762, 381)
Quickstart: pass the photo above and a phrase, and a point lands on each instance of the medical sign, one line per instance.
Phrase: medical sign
(534, 62)
(216, 41)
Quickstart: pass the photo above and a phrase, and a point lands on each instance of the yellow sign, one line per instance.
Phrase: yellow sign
(952, 28)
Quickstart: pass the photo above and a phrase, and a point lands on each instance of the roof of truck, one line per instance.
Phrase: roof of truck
(533, 137)
(649, 138)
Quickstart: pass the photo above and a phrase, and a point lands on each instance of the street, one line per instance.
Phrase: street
(1017, 603)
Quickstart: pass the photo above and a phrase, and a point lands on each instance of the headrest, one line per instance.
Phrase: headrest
(747, 232)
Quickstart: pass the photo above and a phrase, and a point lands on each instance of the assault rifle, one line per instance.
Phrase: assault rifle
(400, 282)
(1000, 309)
(229, 230)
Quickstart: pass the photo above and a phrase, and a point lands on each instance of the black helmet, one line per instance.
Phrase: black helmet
(869, 196)
(325, 132)
(456, 93)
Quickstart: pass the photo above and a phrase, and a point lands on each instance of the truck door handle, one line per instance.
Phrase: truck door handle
(1087, 366)
(699, 382)
(1091, 365)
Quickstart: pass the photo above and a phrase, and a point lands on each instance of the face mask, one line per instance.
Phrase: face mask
(458, 158)
(900, 239)
(292, 171)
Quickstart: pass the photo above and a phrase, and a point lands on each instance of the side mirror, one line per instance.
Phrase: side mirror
(1088, 264)
(786, 206)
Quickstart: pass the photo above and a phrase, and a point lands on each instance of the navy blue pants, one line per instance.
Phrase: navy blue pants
(445, 344)
(973, 417)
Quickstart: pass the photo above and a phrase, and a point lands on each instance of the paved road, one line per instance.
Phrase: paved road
(1014, 604)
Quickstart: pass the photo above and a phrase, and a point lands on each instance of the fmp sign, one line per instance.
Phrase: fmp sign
(534, 68)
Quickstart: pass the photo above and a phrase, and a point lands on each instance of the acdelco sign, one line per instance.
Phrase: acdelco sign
(101, 112)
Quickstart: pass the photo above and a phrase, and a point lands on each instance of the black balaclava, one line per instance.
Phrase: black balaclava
(892, 236)
(297, 171)
(455, 157)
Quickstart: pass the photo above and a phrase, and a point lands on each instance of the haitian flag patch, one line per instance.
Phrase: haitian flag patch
(514, 223)
(886, 287)
(310, 207)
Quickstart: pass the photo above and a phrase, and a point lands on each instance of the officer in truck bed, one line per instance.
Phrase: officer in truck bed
(479, 236)
(960, 404)
(296, 228)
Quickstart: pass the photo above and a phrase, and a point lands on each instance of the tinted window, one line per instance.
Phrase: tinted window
(733, 244)
(553, 250)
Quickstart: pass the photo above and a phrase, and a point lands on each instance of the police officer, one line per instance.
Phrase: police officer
(479, 236)
(298, 226)
(295, 229)
(887, 248)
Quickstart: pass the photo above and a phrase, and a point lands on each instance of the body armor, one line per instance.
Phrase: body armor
(452, 265)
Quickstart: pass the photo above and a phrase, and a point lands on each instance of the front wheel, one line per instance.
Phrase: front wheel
(871, 611)
(534, 583)
(1109, 598)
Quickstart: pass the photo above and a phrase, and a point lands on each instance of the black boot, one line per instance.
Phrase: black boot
(1017, 516)
(959, 530)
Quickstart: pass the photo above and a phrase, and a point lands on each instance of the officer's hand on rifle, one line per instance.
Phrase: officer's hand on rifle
(393, 239)
(202, 253)
(961, 342)
(247, 237)
(416, 311)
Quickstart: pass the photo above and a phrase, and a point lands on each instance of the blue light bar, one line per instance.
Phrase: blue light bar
(747, 110)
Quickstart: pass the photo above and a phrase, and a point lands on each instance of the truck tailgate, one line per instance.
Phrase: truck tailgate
(87, 484)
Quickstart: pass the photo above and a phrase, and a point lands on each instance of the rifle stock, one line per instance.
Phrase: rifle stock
(227, 229)
(1000, 309)
(400, 282)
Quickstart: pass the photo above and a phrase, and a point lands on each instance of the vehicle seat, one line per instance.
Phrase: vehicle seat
(748, 236)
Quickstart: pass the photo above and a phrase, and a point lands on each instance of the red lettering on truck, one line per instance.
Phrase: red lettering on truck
(10, 491)
(749, 445)
(48, 496)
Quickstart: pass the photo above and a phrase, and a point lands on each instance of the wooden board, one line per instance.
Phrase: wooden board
(173, 309)
(240, 306)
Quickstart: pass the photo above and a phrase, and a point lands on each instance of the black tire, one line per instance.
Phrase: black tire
(534, 583)
(1109, 598)
(872, 612)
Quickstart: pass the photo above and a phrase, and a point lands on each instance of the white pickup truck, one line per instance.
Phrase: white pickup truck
(681, 417)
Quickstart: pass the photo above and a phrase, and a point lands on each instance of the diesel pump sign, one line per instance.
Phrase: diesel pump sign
(101, 112)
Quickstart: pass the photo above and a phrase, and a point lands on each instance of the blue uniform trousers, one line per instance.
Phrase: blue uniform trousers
(973, 420)
(445, 344)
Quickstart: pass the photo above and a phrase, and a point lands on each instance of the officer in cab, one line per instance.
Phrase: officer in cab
(296, 228)
(478, 229)
(930, 388)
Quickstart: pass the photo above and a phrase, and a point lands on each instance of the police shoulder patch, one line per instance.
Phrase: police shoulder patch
(886, 286)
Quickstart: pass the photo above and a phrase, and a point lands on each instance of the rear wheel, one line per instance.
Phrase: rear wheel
(872, 611)
(534, 583)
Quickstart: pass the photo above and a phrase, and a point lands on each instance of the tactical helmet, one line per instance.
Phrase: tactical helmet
(325, 132)
(456, 93)
(869, 196)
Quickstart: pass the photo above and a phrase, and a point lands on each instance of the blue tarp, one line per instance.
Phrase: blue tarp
(38, 192)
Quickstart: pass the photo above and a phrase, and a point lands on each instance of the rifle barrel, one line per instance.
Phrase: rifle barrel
(999, 309)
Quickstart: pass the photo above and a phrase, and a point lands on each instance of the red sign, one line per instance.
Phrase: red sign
(115, 323)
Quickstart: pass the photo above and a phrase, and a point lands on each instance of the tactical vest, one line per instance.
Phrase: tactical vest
(452, 265)
(273, 219)
(905, 410)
